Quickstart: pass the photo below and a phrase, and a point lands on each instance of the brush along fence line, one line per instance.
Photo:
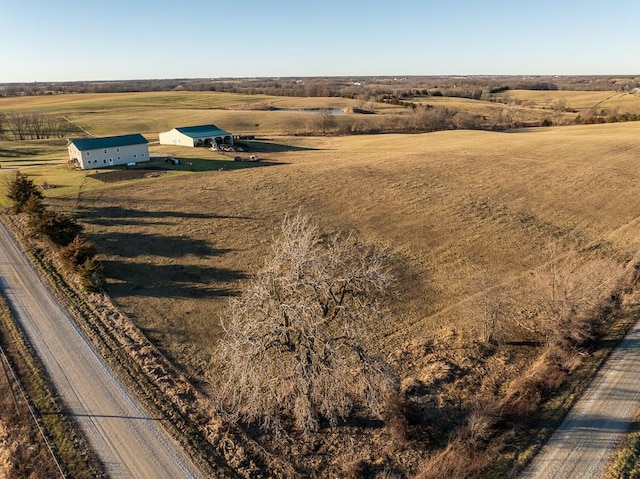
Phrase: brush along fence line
(217, 448)
(6, 366)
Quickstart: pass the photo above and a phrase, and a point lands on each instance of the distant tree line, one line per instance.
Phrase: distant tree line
(348, 87)
(417, 119)
(33, 125)
(409, 92)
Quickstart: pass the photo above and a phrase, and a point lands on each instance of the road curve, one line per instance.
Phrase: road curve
(130, 443)
(582, 446)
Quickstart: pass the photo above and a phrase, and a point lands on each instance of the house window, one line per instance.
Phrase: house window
(104, 161)
(88, 153)
(118, 150)
(105, 151)
(135, 156)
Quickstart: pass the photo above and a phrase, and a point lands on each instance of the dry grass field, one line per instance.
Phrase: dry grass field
(576, 100)
(461, 210)
(150, 113)
(464, 213)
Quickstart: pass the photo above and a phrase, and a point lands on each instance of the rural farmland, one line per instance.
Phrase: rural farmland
(474, 223)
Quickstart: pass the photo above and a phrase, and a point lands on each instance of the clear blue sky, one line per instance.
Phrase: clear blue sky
(68, 40)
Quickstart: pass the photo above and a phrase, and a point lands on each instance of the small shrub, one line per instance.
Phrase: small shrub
(396, 412)
(459, 459)
(355, 470)
(60, 228)
(91, 275)
(76, 253)
(19, 190)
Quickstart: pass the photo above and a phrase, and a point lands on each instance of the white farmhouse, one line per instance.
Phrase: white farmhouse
(90, 153)
(203, 135)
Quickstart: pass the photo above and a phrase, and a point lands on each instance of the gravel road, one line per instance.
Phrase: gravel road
(584, 442)
(130, 443)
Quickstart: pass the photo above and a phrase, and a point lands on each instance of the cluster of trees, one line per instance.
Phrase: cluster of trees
(417, 119)
(76, 253)
(33, 125)
(594, 116)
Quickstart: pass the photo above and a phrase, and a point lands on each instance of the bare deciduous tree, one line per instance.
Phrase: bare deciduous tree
(324, 121)
(35, 125)
(565, 297)
(295, 350)
(17, 123)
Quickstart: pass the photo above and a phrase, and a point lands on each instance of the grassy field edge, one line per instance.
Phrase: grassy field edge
(154, 380)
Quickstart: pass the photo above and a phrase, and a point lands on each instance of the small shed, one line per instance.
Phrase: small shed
(91, 153)
(203, 135)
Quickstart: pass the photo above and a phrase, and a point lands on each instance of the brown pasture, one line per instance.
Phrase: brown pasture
(461, 211)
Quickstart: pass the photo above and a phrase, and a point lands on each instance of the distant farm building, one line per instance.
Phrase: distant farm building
(91, 153)
(204, 135)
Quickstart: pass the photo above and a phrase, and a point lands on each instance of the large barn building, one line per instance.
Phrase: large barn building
(203, 135)
(91, 153)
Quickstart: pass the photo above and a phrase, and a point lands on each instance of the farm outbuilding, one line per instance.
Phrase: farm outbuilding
(91, 153)
(203, 135)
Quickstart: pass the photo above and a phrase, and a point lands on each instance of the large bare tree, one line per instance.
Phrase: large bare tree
(295, 351)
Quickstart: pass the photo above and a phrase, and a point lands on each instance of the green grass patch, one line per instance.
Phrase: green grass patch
(32, 152)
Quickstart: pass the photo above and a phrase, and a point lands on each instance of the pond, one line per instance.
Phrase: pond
(331, 111)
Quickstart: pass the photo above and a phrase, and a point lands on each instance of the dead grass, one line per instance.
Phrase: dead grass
(460, 209)
(464, 213)
(575, 100)
(153, 112)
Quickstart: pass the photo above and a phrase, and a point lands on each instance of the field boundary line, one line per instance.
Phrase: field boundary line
(80, 127)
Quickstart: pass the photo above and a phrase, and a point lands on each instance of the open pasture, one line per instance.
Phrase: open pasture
(153, 112)
(461, 211)
(575, 100)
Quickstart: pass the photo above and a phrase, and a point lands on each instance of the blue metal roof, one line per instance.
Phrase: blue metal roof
(202, 131)
(108, 141)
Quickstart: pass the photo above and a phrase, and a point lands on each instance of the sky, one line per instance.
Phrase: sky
(91, 40)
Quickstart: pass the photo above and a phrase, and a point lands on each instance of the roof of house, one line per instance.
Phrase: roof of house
(202, 131)
(108, 141)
